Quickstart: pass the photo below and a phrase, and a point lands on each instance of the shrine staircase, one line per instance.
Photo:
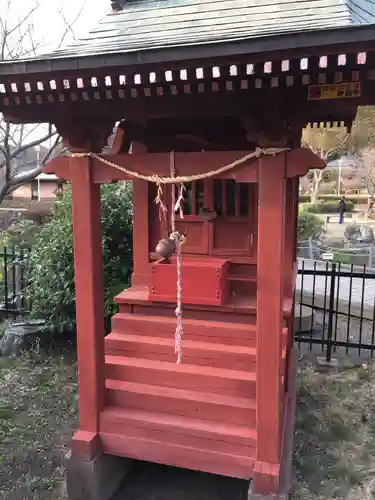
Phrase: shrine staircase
(197, 415)
(200, 414)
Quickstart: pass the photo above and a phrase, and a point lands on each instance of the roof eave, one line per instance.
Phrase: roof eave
(296, 42)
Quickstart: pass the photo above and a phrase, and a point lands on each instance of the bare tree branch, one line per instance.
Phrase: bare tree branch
(69, 26)
(18, 39)
(324, 143)
(34, 143)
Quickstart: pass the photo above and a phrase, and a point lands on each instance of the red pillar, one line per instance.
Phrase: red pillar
(140, 227)
(270, 272)
(290, 234)
(88, 268)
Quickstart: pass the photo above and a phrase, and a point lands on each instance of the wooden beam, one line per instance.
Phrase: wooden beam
(60, 166)
(158, 163)
(192, 105)
(291, 213)
(270, 271)
(89, 303)
(141, 232)
(299, 162)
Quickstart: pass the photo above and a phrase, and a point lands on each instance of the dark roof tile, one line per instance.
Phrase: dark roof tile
(154, 31)
(152, 24)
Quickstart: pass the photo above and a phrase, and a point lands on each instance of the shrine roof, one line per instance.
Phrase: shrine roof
(155, 31)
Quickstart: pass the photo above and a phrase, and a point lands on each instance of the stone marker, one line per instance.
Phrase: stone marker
(19, 336)
(304, 320)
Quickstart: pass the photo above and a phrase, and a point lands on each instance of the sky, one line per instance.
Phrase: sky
(48, 23)
(93, 11)
(48, 27)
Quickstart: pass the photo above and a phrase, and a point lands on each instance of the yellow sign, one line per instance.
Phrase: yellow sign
(334, 91)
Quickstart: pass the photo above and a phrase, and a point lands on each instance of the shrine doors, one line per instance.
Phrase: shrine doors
(232, 208)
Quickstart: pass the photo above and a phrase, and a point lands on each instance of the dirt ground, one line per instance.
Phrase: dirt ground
(37, 418)
(334, 440)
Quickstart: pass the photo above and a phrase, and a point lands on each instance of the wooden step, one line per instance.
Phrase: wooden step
(179, 431)
(196, 330)
(242, 277)
(186, 457)
(228, 314)
(194, 353)
(182, 402)
(182, 376)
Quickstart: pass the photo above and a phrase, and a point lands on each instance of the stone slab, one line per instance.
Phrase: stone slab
(304, 320)
(20, 336)
(96, 479)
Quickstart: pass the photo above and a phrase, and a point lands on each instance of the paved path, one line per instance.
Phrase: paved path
(359, 289)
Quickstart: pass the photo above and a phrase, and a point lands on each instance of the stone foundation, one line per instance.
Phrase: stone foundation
(96, 479)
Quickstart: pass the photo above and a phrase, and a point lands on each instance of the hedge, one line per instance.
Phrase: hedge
(353, 198)
(326, 207)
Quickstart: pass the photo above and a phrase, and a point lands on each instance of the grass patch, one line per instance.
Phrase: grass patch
(37, 417)
(334, 440)
(335, 434)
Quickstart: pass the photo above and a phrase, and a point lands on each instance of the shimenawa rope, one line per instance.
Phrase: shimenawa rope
(185, 178)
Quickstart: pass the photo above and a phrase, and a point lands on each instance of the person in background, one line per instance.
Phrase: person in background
(342, 209)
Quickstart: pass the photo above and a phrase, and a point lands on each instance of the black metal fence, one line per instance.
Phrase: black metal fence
(334, 313)
(335, 308)
(13, 282)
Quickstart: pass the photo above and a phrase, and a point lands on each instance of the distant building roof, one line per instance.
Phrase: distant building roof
(139, 27)
(47, 177)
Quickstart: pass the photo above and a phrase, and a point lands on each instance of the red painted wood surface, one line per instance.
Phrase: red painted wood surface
(163, 326)
(203, 281)
(215, 355)
(271, 224)
(182, 402)
(299, 162)
(213, 380)
(89, 299)
(141, 230)
(126, 420)
(291, 221)
(194, 458)
(234, 310)
(205, 405)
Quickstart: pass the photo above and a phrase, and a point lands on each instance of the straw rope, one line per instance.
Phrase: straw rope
(184, 178)
(177, 206)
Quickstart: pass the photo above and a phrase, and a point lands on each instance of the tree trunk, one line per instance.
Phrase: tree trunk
(314, 195)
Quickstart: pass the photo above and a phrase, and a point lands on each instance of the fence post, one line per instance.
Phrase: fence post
(311, 252)
(370, 255)
(331, 312)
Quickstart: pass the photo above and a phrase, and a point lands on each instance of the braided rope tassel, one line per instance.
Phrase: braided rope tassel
(179, 328)
(177, 206)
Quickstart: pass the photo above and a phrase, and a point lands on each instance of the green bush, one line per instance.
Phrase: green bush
(353, 198)
(52, 289)
(326, 207)
(342, 257)
(309, 226)
(304, 198)
(22, 233)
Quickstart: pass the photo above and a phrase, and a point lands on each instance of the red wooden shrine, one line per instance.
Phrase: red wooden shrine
(228, 408)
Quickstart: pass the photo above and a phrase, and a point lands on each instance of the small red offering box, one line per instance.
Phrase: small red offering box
(204, 281)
